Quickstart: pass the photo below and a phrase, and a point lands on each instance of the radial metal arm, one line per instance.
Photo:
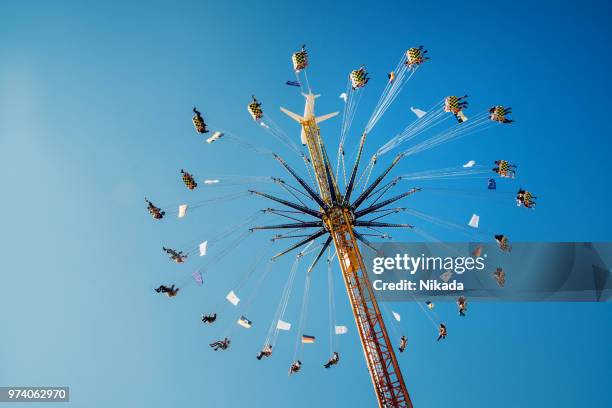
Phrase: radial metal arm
(298, 244)
(375, 183)
(295, 206)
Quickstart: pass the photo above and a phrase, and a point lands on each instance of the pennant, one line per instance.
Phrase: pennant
(182, 210)
(244, 322)
(341, 329)
(198, 277)
(232, 298)
(281, 325)
(203, 247)
(396, 315)
(344, 96)
(308, 339)
(418, 112)
(469, 164)
(446, 276)
(474, 221)
(216, 136)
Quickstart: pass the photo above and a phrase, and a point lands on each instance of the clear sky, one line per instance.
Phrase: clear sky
(95, 113)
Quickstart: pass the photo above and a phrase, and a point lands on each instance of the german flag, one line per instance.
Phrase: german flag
(308, 339)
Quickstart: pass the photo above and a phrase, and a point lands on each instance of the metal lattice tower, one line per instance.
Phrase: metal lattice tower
(338, 217)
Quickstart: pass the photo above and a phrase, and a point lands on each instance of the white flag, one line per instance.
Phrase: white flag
(344, 96)
(182, 210)
(244, 322)
(216, 136)
(474, 221)
(232, 298)
(214, 181)
(341, 329)
(446, 276)
(396, 315)
(281, 325)
(469, 164)
(203, 246)
(418, 112)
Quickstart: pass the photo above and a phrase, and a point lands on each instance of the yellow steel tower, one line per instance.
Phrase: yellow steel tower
(339, 218)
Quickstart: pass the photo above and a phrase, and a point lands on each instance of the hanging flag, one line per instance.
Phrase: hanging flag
(341, 329)
(446, 276)
(232, 298)
(396, 315)
(244, 322)
(477, 252)
(461, 117)
(182, 210)
(216, 136)
(308, 339)
(344, 96)
(474, 221)
(198, 277)
(469, 164)
(293, 83)
(214, 181)
(419, 113)
(281, 325)
(491, 184)
(430, 305)
(203, 246)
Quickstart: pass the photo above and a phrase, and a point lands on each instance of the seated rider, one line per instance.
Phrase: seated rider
(209, 318)
(295, 367)
(155, 212)
(335, 358)
(220, 344)
(442, 332)
(265, 352)
(502, 243)
(168, 291)
(462, 305)
(176, 256)
(403, 344)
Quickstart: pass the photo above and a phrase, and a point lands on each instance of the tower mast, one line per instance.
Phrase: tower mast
(338, 220)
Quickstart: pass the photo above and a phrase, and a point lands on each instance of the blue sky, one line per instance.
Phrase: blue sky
(95, 108)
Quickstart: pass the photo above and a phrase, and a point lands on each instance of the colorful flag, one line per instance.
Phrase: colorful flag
(244, 322)
(308, 339)
(198, 277)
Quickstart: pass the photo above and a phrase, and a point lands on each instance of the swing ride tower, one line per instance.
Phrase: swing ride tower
(339, 217)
